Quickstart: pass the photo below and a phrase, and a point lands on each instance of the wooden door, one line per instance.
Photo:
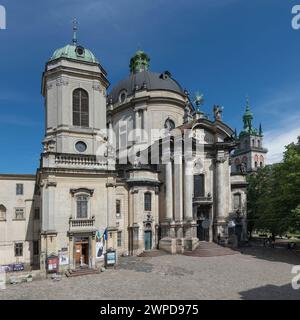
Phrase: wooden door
(78, 252)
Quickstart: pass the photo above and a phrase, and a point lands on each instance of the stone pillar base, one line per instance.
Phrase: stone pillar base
(190, 229)
(179, 229)
(168, 245)
(190, 244)
(180, 245)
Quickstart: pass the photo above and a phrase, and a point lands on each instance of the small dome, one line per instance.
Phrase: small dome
(74, 52)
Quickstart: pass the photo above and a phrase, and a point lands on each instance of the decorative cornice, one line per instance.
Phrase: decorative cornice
(82, 190)
(51, 184)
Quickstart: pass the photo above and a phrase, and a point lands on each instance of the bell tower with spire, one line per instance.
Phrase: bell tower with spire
(250, 154)
(74, 87)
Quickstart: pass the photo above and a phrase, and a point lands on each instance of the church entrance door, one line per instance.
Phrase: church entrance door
(82, 253)
(203, 223)
(148, 239)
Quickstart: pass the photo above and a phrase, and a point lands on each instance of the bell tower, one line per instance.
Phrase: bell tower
(250, 154)
(74, 87)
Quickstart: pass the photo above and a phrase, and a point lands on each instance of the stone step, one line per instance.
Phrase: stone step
(81, 272)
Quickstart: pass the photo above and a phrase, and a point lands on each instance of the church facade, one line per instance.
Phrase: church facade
(138, 168)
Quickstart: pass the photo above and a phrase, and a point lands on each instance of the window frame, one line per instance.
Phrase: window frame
(239, 195)
(3, 211)
(118, 205)
(16, 214)
(147, 203)
(87, 205)
(19, 249)
(21, 186)
(80, 113)
(119, 239)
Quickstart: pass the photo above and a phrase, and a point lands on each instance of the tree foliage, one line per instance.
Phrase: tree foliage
(274, 195)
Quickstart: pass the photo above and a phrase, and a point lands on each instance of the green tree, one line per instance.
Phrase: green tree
(274, 195)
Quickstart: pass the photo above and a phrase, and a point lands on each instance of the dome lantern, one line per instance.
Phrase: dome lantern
(139, 62)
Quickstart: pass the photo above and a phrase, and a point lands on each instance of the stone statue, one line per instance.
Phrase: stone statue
(243, 168)
(218, 112)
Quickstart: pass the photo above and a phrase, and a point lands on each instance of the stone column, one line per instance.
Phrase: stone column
(111, 215)
(220, 194)
(169, 191)
(145, 126)
(178, 194)
(188, 189)
(110, 132)
(190, 226)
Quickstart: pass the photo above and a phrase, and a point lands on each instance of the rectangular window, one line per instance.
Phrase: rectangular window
(35, 248)
(19, 249)
(19, 214)
(82, 207)
(237, 201)
(118, 208)
(19, 189)
(147, 201)
(199, 185)
(119, 238)
(36, 214)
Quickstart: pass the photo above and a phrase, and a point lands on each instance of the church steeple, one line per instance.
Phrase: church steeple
(139, 62)
(248, 117)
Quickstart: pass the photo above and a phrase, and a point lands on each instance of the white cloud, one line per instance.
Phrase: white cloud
(282, 125)
(276, 140)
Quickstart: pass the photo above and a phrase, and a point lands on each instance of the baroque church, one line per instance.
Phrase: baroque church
(97, 188)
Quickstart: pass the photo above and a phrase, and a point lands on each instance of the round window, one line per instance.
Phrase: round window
(80, 146)
(80, 50)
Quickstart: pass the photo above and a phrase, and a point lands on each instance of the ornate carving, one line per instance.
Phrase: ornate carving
(61, 82)
(97, 87)
(198, 166)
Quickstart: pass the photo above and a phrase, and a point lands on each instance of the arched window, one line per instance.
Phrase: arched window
(82, 206)
(147, 201)
(80, 108)
(2, 212)
(258, 143)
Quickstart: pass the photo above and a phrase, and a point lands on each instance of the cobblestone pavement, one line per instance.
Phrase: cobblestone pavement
(256, 273)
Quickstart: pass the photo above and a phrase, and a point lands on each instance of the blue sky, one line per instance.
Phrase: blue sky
(226, 49)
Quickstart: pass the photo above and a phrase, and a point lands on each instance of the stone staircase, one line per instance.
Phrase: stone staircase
(81, 272)
(210, 249)
(152, 253)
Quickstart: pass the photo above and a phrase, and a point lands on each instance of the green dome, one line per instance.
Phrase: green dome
(75, 53)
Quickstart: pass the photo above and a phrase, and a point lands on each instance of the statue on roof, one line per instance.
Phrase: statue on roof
(218, 112)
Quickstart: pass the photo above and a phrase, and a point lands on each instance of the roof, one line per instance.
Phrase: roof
(74, 52)
(17, 176)
(145, 80)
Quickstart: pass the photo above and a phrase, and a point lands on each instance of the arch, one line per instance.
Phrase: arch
(80, 108)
